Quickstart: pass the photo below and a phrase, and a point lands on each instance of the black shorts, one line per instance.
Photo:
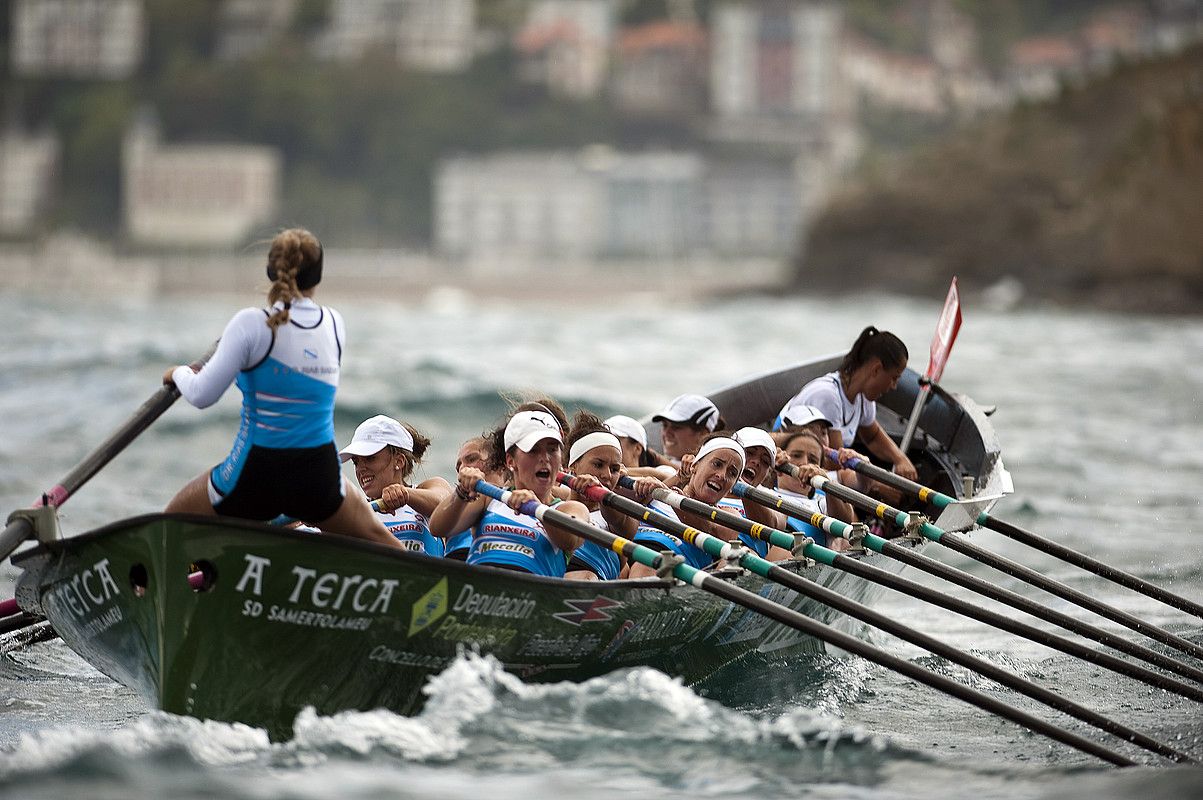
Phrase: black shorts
(302, 483)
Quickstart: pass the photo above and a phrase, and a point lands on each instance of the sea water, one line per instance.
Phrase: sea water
(1100, 421)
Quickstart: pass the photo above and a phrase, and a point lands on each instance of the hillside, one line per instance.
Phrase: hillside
(1094, 199)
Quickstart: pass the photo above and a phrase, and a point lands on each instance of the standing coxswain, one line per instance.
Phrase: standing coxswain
(285, 360)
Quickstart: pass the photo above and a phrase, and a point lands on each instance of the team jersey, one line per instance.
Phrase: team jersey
(459, 545)
(826, 393)
(817, 503)
(592, 556)
(288, 378)
(503, 537)
(734, 505)
(659, 540)
(412, 530)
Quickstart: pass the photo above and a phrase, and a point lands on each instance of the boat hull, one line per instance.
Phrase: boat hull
(284, 620)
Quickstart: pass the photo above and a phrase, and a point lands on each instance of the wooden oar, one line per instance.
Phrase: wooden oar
(803, 623)
(1006, 565)
(986, 588)
(726, 551)
(1055, 549)
(906, 555)
(19, 529)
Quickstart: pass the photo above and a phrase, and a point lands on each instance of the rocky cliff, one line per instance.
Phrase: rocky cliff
(1095, 198)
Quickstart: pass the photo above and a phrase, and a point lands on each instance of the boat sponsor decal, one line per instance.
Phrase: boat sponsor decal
(310, 619)
(402, 658)
(255, 567)
(486, 634)
(429, 608)
(590, 610)
(563, 645)
(473, 602)
(511, 530)
(618, 639)
(506, 547)
(315, 597)
(675, 624)
(84, 594)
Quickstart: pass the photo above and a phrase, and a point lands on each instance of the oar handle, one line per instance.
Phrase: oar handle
(871, 470)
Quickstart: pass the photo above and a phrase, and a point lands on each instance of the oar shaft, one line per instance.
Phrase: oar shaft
(822, 594)
(818, 630)
(987, 589)
(1012, 568)
(20, 529)
(1042, 543)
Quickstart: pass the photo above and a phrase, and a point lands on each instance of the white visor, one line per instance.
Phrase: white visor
(755, 437)
(374, 434)
(527, 428)
(591, 440)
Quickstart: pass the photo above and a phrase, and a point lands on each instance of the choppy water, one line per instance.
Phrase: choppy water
(1100, 421)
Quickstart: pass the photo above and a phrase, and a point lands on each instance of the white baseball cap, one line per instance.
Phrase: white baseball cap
(799, 414)
(527, 428)
(622, 425)
(755, 437)
(374, 434)
(692, 408)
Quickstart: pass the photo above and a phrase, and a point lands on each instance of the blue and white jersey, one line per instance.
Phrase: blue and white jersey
(503, 537)
(604, 563)
(817, 503)
(459, 541)
(412, 530)
(288, 379)
(659, 540)
(734, 505)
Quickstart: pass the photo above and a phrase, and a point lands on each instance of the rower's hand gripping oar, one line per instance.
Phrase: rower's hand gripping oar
(908, 556)
(1006, 565)
(21, 524)
(1055, 549)
(754, 563)
(800, 622)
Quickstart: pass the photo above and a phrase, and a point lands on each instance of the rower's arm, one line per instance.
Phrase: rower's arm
(454, 514)
(426, 496)
(566, 540)
(881, 445)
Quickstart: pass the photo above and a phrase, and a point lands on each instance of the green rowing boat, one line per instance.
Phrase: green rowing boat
(235, 621)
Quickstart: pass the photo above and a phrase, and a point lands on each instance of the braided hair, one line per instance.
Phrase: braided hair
(294, 263)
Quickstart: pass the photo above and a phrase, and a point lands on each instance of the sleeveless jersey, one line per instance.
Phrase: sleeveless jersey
(412, 530)
(603, 562)
(459, 544)
(503, 537)
(659, 540)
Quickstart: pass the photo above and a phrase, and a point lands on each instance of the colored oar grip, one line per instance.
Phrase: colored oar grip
(595, 493)
(530, 507)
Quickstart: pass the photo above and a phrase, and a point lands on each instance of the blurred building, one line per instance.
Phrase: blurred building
(246, 28)
(77, 38)
(28, 165)
(660, 69)
(429, 35)
(1039, 65)
(196, 195)
(774, 70)
(599, 204)
(892, 79)
(565, 45)
(516, 204)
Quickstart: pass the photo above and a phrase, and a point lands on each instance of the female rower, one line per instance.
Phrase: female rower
(285, 360)
(529, 446)
(805, 451)
(385, 452)
(760, 456)
(472, 453)
(639, 459)
(685, 422)
(709, 476)
(595, 452)
(848, 397)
